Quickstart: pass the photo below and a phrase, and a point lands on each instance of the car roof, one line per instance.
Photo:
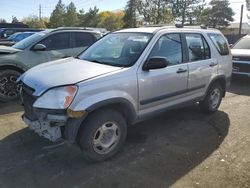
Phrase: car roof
(73, 29)
(172, 28)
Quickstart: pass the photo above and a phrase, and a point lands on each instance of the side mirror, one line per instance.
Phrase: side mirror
(155, 63)
(230, 45)
(39, 47)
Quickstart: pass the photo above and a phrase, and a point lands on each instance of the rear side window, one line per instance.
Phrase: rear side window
(81, 39)
(198, 48)
(220, 43)
(57, 41)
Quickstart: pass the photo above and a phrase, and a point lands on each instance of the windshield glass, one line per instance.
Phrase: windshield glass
(117, 49)
(11, 37)
(28, 41)
(243, 43)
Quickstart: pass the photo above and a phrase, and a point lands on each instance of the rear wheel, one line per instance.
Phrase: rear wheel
(102, 134)
(213, 99)
(9, 89)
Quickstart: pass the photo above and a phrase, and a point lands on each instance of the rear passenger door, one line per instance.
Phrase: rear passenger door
(81, 41)
(202, 67)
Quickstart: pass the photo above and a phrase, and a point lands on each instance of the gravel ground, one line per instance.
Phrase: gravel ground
(181, 148)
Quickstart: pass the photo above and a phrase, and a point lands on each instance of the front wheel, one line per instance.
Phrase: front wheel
(9, 89)
(102, 134)
(213, 99)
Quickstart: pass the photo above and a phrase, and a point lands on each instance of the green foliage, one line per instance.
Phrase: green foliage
(130, 13)
(155, 11)
(71, 17)
(90, 18)
(187, 10)
(218, 15)
(57, 16)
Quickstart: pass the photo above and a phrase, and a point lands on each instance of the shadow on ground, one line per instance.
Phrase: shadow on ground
(240, 86)
(157, 153)
(10, 107)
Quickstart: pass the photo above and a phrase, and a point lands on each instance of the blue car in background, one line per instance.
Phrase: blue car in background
(16, 37)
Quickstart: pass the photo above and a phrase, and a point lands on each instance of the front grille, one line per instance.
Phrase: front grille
(28, 101)
(241, 67)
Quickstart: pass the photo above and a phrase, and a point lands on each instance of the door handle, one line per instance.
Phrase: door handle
(181, 70)
(213, 64)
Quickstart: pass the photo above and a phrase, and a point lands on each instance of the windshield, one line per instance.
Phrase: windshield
(117, 49)
(28, 41)
(243, 43)
(11, 37)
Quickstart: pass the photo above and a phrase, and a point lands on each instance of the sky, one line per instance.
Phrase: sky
(24, 8)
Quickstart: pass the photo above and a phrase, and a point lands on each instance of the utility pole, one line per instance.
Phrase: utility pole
(241, 15)
(40, 12)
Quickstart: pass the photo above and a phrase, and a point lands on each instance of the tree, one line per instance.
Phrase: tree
(111, 20)
(187, 10)
(71, 17)
(130, 13)
(14, 19)
(57, 16)
(90, 18)
(213, 16)
(34, 22)
(2, 20)
(155, 11)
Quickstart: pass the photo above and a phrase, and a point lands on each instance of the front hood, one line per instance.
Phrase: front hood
(240, 52)
(63, 72)
(8, 50)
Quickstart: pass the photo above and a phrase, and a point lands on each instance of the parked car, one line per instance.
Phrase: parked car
(6, 32)
(16, 37)
(241, 57)
(39, 48)
(123, 78)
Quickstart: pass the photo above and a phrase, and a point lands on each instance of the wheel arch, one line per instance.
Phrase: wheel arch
(12, 67)
(218, 79)
(123, 106)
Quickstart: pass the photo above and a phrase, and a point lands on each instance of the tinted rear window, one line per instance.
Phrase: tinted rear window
(220, 43)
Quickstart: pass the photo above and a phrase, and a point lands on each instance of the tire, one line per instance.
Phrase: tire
(9, 89)
(213, 99)
(102, 135)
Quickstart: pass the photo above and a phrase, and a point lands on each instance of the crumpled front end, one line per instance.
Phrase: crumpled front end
(45, 122)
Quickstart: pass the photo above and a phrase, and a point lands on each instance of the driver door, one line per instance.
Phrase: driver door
(164, 87)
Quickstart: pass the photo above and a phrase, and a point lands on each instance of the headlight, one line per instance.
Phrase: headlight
(57, 98)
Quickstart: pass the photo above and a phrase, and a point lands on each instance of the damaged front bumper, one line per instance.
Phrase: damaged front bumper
(50, 126)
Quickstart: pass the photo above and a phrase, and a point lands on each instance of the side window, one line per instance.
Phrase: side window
(169, 46)
(198, 48)
(81, 39)
(57, 41)
(220, 43)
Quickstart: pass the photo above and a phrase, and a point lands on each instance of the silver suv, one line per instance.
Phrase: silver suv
(122, 79)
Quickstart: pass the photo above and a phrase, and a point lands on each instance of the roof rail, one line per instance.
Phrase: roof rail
(77, 28)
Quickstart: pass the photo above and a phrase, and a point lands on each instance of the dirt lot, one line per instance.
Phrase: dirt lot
(182, 148)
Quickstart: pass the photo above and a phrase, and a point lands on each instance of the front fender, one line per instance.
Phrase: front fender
(88, 102)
